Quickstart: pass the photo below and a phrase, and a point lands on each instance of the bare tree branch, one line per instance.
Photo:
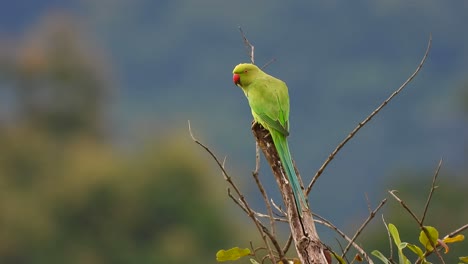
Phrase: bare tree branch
(358, 232)
(236, 201)
(433, 187)
(389, 240)
(328, 224)
(458, 231)
(288, 244)
(367, 119)
(268, 206)
(263, 192)
(277, 219)
(281, 212)
(250, 48)
(268, 63)
(392, 192)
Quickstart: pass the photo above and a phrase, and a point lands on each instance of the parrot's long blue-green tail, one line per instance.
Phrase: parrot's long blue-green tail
(281, 144)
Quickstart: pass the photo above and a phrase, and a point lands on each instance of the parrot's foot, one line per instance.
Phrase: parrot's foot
(253, 124)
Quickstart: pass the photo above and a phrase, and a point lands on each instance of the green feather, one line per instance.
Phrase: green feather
(282, 147)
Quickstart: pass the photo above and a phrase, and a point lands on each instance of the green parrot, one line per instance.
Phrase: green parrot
(269, 101)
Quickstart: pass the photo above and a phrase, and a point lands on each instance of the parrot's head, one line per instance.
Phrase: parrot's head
(244, 74)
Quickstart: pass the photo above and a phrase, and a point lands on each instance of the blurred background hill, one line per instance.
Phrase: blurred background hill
(96, 163)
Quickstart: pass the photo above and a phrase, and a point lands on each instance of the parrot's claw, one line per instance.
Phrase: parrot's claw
(253, 124)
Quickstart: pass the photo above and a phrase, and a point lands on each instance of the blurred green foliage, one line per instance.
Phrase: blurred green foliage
(67, 194)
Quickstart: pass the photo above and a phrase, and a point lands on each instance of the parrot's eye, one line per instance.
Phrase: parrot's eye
(246, 71)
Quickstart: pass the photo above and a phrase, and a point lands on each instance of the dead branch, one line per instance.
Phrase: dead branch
(433, 187)
(288, 244)
(364, 224)
(458, 231)
(367, 119)
(268, 63)
(250, 48)
(330, 225)
(263, 192)
(389, 240)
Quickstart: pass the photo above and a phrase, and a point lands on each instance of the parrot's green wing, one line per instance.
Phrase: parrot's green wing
(269, 101)
(275, 124)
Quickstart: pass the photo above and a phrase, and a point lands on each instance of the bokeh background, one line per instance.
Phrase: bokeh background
(96, 161)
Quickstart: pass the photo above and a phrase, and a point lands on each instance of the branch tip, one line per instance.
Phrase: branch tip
(250, 48)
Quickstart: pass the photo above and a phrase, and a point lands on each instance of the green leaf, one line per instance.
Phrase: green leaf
(402, 245)
(253, 261)
(380, 256)
(234, 253)
(433, 234)
(402, 259)
(464, 259)
(394, 232)
(417, 250)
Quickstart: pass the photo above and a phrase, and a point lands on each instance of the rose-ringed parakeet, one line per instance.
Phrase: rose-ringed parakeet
(269, 101)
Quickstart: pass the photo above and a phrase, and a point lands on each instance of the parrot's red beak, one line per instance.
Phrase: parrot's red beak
(236, 79)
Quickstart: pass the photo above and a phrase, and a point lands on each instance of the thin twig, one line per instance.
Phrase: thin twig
(277, 207)
(263, 192)
(250, 48)
(389, 240)
(255, 250)
(273, 240)
(268, 63)
(236, 201)
(369, 218)
(288, 244)
(392, 192)
(268, 206)
(433, 187)
(319, 219)
(458, 231)
(277, 219)
(367, 119)
(220, 165)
